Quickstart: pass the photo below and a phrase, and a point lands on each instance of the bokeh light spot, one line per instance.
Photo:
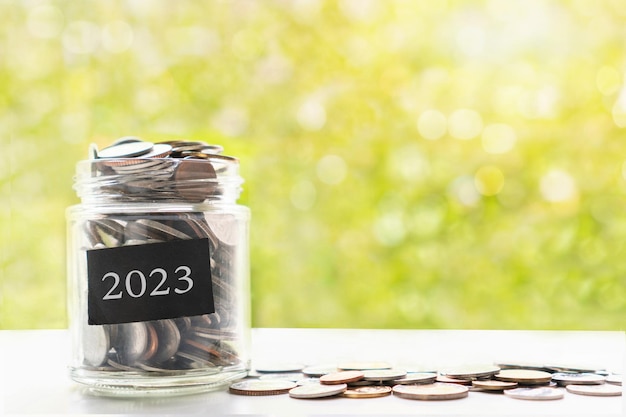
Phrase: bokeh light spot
(81, 37)
(465, 124)
(311, 115)
(231, 120)
(303, 195)
(608, 80)
(117, 36)
(389, 228)
(498, 138)
(409, 163)
(558, 186)
(331, 169)
(489, 180)
(45, 22)
(464, 191)
(432, 124)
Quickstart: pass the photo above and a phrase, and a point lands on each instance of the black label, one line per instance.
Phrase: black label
(149, 282)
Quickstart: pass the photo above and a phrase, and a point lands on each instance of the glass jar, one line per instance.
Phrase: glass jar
(158, 270)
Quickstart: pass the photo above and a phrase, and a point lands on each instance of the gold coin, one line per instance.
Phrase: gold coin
(430, 392)
(367, 392)
(524, 376)
(492, 385)
(342, 377)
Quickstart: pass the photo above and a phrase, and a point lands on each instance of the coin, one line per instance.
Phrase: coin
(131, 342)
(494, 385)
(96, 345)
(449, 380)
(417, 378)
(539, 393)
(153, 343)
(521, 365)
(470, 371)
(341, 377)
(126, 150)
(567, 378)
(169, 340)
(193, 179)
(383, 374)
(573, 368)
(319, 370)
(524, 376)
(317, 390)
(289, 376)
(428, 392)
(604, 390)
(367, 392)
(615, 379)
(256, 387)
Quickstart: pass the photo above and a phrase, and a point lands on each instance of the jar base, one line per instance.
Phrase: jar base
(135, 384)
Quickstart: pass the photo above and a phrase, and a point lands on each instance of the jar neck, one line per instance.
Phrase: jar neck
(154, 180)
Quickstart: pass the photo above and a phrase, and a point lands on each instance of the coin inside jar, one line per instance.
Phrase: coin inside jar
(193, 179)
(126, 150)
(131, 342)
(169, 340)
(96, 344)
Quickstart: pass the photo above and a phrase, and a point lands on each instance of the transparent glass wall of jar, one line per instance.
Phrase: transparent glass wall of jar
(158, 272)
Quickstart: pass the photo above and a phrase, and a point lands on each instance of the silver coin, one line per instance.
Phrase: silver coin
(131, 342)
(319, 370)
(417, 378)
(604, 390)
(615, 379)
(289, 376)
(317, 390)
(383, 374)
(126, 150)
(96, 345)
(470, 371)
(541, 393)
(255, 387)
(568, 378)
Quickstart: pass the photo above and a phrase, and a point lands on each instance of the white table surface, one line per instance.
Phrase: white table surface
(34, 377)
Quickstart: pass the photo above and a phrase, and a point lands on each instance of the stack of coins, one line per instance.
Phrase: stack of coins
(378, 379)
(132, 170)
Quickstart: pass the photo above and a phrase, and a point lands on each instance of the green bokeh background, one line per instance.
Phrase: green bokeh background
(408, 164)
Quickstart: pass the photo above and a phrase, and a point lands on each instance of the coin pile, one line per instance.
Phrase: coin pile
(133, 170)
(378, 379)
